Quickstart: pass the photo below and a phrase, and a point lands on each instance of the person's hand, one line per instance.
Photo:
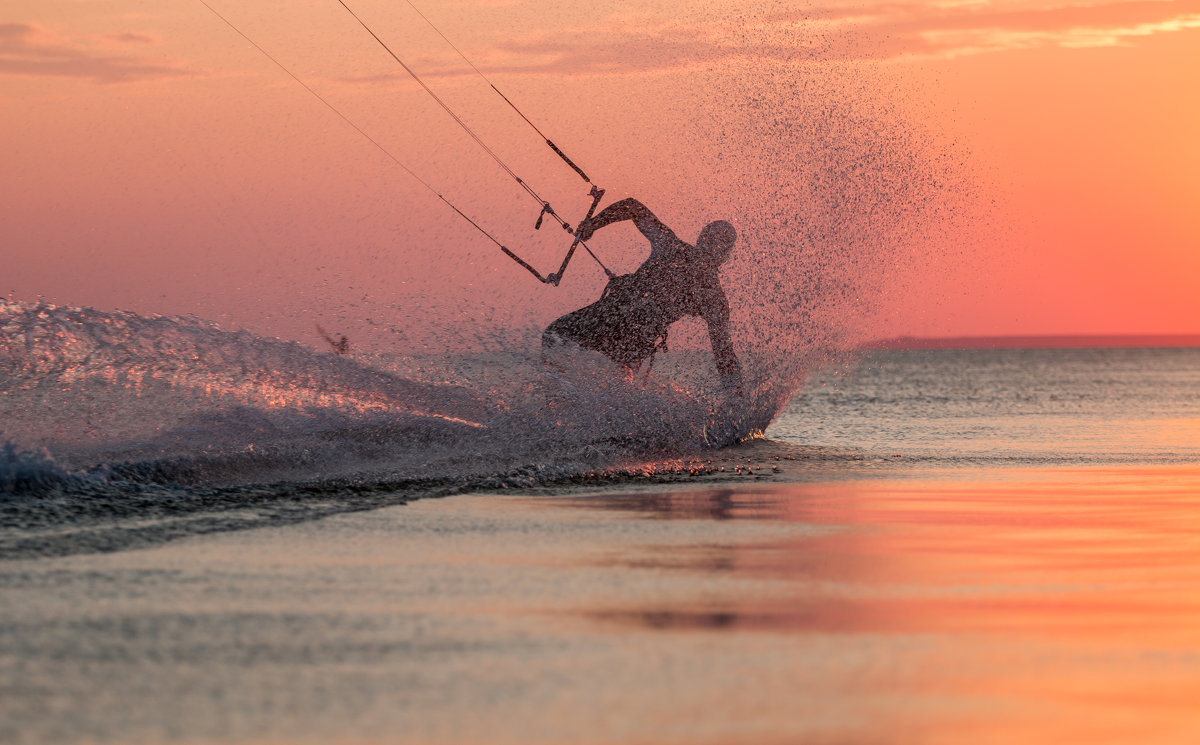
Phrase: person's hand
(585, 230)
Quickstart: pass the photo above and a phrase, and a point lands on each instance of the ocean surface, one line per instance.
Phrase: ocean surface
(118, 430)
(1006, 407)
(212, 537)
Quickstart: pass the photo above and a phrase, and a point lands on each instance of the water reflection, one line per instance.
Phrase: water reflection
(1034, 606)
(1078, 554)
(825, 616)
(713, 504)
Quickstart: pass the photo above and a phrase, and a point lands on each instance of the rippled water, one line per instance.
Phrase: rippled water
(1013, 407)
(1013, 605)
(935, 546)
(117, 430)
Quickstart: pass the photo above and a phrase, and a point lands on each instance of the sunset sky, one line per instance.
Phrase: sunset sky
(155, 161)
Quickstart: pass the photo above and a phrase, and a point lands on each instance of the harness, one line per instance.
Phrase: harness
(640, 314)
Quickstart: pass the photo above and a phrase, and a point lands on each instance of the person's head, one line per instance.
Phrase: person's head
(716, 242)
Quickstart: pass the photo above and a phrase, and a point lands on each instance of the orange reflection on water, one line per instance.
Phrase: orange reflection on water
(1058, 606)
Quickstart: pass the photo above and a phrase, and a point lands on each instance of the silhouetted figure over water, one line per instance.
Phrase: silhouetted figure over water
(629, 322)
(341, 347)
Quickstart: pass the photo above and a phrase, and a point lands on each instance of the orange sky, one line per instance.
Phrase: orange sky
(154, 161)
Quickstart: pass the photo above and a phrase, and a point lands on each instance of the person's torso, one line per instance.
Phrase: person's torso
(678, 287)
(634, 313)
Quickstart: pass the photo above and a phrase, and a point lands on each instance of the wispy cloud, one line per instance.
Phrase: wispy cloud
(130, 37)
(33, 51)
(838, 31)
(960, 28)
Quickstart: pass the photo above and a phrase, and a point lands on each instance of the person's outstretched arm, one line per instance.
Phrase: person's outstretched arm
(628, 209)
(728, 367)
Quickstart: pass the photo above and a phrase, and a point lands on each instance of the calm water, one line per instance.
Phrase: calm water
(1008, 407)
(1023, 605)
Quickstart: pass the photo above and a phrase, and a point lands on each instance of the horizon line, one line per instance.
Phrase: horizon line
(1035, 341)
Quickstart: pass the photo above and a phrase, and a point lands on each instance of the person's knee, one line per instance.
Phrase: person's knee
(555, 343)
(551, 338)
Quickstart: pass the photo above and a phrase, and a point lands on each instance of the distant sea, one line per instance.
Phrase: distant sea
(1044, 341)
(953, 407)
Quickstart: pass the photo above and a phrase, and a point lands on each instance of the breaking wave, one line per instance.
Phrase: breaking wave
(109, 415)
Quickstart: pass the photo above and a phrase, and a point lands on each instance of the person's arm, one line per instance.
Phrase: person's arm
(628, 209)
(728, 367)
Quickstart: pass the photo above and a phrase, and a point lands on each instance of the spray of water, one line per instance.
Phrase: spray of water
(104, 392)
(108, 413)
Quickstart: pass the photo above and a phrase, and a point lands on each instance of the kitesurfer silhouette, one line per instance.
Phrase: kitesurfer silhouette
(629, 322)
(341, 347)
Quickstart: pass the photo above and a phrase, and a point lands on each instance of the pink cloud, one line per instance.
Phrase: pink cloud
(952, 29)
(31, 51)
(836, 32)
